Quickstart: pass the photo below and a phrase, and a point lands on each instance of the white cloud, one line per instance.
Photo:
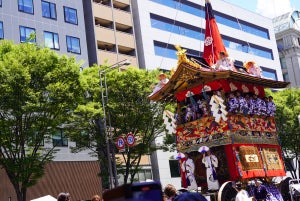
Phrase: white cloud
(273, 8)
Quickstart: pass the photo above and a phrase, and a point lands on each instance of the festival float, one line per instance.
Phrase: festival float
(242, 137)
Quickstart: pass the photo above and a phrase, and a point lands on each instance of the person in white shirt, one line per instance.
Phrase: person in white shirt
(242, 194)
(163, 80)
(225, 62)
(211, 163)
(188, 167)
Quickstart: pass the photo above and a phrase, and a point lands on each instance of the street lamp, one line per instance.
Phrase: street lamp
(107, 131)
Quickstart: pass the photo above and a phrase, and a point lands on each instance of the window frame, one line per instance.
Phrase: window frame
(174, 173)
(53, 40)
(63, 141)
(21, 7)
(49, 4)
(26, 35)
(2, 29)
(68, 49)
(66, 11)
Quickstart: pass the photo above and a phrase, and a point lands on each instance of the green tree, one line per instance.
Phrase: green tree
(128, 109)
(39, 89)
(287, 120)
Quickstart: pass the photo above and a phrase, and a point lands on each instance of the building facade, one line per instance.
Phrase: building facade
(161, 24)
(287, 32)
(58, 25)
(110, 31)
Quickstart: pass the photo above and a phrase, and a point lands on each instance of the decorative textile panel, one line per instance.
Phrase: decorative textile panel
(250, 158)
(272, 159)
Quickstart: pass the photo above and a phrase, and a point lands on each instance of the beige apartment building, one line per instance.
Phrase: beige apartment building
(110, 32)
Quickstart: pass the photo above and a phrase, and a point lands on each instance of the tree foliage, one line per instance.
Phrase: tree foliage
(287, 120)
(128, 110)
(39, 89)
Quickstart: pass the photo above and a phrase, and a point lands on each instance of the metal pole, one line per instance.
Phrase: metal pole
(107, 137)
(112, 168)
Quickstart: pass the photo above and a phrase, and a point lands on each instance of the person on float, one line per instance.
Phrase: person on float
(211, 163)
(188, 167)
(271, 107)
(253, 69)
(163, 80)
(224, 62)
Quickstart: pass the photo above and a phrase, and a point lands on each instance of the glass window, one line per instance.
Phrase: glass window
(59, 139)
(25, 6)
(1, 30)
(286, 77)
(51, 40)
(269, 73)
(190, 31)
(174, 168)
(198, 10)
(73, 45)
(0, 3)
(70, 15)
(165, 50)
(283, 63)
(27, 34)
(48, 9)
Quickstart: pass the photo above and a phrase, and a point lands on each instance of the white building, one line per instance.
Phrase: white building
(161, 24)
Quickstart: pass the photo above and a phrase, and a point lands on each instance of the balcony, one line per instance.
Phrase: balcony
(102, 11)
(105, 34)
(112, 57)
(108, 35)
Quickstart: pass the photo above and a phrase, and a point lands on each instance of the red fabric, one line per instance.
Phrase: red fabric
(182, 174)
(226, 86)
(213, 43)
(233, 163)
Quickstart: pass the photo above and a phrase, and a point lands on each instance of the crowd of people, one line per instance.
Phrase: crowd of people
(170, 193)
(235, 102)
(67, 197)
(260, 193)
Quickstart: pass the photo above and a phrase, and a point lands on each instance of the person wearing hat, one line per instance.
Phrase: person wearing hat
(253, 69)
(242, 194)
(188, 167)
(260, 191)
(224, 62)
(63, 197)
(163, 80)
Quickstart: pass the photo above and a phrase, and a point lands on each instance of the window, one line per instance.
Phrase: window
(51, 40)
(27, 34)
(174, 168)
(73, 45)
(283, 63)
(0, 3)
(269, 73)
(1, 30)
(180, 28)
(59, 139)
(195, 9)
(48, 10)
(70, 15)
(26, 6)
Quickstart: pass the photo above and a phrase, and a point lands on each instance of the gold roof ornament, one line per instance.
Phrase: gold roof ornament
(182, 58)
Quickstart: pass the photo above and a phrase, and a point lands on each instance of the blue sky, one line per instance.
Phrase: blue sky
(268, 8)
